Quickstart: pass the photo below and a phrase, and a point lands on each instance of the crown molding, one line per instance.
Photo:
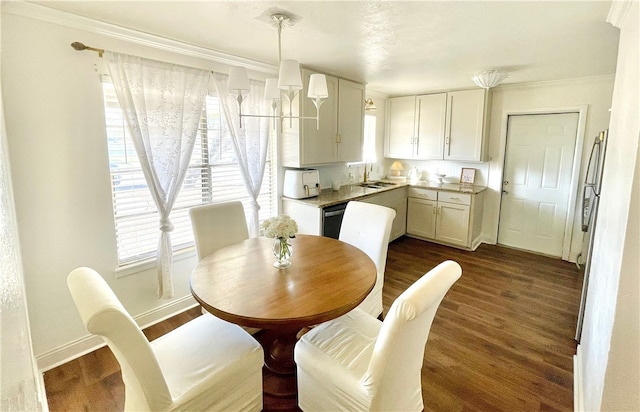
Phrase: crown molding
(618, 12)
(61, 18)
(557, 82)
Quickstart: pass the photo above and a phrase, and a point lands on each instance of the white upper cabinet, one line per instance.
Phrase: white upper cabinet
(431, 109)
(350, 121)
(449, 126)
(400, 130)
(340, 133)
(467, 118)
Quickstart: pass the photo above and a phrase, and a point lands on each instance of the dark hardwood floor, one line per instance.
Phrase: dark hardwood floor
(502, 339)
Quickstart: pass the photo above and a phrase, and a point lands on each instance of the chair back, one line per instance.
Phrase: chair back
(367, 226)
(394, 373)
(103, 315)
(217, 225)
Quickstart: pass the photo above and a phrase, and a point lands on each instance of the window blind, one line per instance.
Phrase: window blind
(213, 176)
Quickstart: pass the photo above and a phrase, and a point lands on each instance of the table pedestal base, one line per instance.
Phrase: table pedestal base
(279, 384)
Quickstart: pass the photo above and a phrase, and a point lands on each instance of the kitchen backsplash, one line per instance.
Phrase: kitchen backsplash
(426, 171)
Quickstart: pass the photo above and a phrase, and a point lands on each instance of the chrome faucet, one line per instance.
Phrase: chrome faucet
(366, 175)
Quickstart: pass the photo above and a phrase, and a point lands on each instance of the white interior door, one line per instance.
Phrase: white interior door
(537, 181)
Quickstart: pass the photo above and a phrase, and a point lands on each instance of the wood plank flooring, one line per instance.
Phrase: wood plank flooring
(502, 339)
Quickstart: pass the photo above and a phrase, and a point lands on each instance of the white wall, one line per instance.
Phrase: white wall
(59, 163)
(21, 387)
(594, 92)
(609, 349)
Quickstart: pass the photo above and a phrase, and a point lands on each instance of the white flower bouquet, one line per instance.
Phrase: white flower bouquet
(281, 227)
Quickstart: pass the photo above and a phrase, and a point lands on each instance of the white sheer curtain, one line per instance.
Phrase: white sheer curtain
(162, 104)
(251, 141)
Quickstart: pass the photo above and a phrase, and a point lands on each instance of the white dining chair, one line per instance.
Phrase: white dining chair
(367, 226)
(217, 225)
(205, 364)
(358, 363)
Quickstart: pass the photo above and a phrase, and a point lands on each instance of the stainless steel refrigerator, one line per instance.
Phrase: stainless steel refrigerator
(590, 199)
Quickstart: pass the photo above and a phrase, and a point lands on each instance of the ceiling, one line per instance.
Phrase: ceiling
(396, 47)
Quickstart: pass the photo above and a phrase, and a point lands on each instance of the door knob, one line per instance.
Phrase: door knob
(506, 182)
(504, 192)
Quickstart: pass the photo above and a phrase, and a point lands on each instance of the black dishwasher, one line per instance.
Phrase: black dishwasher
(332, 220)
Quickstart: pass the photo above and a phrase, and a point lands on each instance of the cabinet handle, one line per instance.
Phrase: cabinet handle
(338, 138)
(456, 198)
(434, 210)
(439, 210)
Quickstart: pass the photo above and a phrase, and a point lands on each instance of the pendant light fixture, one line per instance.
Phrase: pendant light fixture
(288, 83)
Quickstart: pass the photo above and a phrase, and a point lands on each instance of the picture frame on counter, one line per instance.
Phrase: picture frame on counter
(468, 176)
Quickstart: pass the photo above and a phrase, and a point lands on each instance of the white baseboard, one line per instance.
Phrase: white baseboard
(487, 239)
(573, 257)
(89, 343)
(578, 395)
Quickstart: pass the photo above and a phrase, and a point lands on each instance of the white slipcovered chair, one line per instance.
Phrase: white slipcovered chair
(367, 227)
(358, 363)
(217, 225)
(205, 364)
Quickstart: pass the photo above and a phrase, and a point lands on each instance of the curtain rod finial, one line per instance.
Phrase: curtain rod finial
(80, 47)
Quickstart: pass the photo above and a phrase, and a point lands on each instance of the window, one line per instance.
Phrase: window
(213, 176)
(369, 146)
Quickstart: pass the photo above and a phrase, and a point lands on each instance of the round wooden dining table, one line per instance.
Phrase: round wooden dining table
(238, 283)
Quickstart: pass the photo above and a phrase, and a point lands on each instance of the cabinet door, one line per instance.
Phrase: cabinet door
(399, 225)
(452, 223)
(465, 125)
(421, 218)
(318, 144)
(400, 131)
(350, 121)
(431, 110)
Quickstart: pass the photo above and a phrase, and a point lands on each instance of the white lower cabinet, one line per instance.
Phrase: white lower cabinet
(421, 217)
(310, 217)
(397, 200)
(452, 223)
(445, 217)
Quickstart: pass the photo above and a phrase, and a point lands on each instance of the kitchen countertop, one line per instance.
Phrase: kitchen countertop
(329, 197)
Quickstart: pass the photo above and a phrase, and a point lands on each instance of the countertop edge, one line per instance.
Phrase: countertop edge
(355, 192)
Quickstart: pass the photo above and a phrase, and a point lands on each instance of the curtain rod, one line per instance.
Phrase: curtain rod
(80, 47)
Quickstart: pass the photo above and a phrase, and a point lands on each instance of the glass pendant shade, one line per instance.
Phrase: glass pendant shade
(271, 91)
(289, 77)
(318, 87)
(238, 80)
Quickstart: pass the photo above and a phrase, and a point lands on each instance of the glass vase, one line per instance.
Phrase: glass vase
(282, 250)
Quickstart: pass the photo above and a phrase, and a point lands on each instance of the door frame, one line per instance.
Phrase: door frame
(575, 170)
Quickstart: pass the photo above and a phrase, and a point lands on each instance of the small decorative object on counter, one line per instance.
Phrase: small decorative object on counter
(413, 175)
(396, 168)
(281, 229)
(468, 176)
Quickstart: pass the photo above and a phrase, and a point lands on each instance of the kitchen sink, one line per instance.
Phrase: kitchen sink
(376, 184)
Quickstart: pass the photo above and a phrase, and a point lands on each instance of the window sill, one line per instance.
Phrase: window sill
(141, 266)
